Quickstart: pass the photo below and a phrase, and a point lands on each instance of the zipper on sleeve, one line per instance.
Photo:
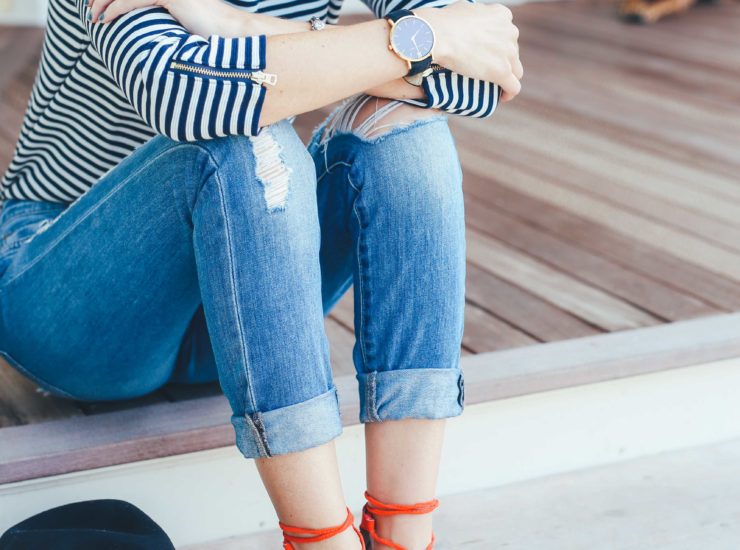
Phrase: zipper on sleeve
(256, 76)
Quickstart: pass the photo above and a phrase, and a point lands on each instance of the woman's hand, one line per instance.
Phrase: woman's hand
(477, 40)
(201, 17)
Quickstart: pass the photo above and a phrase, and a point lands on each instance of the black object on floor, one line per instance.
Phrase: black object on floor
(90, 525)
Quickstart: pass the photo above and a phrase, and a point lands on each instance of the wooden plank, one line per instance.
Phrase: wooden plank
(650, 294)
(647, 259)
(556, 287)
(344, 311)
(522, 310)
(595, 359)
(682, 245)
(63, 446)
(559, 170)
(586, 160)
(597, 101)
(341, 342)
(639, 92)
(484, 332)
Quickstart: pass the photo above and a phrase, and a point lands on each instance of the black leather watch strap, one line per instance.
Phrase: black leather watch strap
(395, 15)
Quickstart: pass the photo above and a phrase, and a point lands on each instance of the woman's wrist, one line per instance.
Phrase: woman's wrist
(436, 19)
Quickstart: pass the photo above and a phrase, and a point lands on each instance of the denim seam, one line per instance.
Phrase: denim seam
(371, 396)
(256, 422)
(100, 203)
(360, 273)
(257, 426)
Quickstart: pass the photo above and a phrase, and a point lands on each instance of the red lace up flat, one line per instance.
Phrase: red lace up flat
(374, 508)
(303, 535)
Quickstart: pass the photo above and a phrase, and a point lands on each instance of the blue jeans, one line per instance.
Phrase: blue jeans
(220, 258)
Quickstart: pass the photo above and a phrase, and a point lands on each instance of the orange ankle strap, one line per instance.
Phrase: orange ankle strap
(375, 507)
(303, 535)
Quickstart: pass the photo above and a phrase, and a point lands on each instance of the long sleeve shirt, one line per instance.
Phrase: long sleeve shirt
(103, 90)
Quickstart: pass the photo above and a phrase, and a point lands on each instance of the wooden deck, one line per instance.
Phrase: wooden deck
(605, 198)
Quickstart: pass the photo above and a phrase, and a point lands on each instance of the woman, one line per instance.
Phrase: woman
(214, 249)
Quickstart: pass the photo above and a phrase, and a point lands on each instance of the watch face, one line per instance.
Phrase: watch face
(412, 38)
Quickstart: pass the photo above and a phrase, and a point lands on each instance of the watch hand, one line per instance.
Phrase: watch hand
(418, 51)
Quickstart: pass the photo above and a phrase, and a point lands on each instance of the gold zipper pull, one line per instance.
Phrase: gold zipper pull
(263, 78)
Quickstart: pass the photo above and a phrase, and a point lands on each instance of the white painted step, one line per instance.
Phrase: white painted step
(682, 500)
(212, 495)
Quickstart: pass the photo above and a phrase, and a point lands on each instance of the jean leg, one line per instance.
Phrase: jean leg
(195, 363)
(96, 305)
(402, 216)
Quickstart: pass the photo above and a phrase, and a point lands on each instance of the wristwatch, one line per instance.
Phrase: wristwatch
(412, 39)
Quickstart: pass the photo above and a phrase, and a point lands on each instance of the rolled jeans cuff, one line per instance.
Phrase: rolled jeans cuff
(411, 393)
(289, 429)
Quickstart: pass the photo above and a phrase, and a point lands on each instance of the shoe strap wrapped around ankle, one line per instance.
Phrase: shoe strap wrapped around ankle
(302, 535)
(378, 508)
(375, 507)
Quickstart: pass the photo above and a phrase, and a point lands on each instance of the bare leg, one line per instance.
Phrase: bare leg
(402, 466)
(306, 491)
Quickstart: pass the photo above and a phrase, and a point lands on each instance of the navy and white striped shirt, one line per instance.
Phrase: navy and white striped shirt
(103, 90)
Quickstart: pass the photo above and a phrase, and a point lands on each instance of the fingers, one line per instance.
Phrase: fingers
(111, 9)
(511, 87)
(504, 11)
(97, 7)
(119, 7)
(517, 68)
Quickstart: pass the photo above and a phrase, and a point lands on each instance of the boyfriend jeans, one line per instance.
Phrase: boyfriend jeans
(193, 261)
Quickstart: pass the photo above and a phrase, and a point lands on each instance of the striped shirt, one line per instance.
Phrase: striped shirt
(101, 91)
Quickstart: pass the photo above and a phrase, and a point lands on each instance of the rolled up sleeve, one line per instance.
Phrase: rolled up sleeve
(184, 86)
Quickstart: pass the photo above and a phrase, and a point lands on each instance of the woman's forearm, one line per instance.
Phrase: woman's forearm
(250, 24)
(315, 69)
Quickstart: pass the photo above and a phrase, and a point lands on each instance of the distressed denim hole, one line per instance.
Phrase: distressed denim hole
(343, 120)
(271, 170)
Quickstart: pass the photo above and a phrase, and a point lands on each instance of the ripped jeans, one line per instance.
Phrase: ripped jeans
(220, 259)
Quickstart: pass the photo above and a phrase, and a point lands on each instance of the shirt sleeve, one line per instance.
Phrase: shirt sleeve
(444, 89)
(184, 86)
